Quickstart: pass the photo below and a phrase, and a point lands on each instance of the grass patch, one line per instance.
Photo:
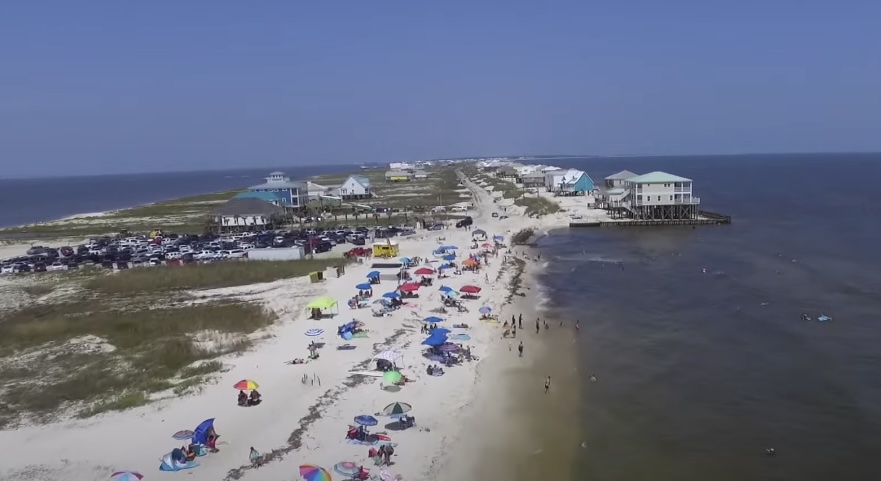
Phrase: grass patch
(187, 386)
(153, 346)
(522, 236)
(37, 290)
(538, 206)
(206, 276)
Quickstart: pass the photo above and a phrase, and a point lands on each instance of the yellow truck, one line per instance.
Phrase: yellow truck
(386, 249)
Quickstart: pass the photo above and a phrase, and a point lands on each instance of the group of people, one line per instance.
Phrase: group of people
(249, 400)
(382, 456)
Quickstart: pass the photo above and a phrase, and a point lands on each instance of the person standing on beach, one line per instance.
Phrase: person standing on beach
(547, 384)
(520, 320)
(537, 328)
(512, 319)
(577, 326)
(514, 330)
(520, 348)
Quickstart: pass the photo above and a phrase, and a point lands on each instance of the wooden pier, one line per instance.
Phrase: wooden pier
(704, 218)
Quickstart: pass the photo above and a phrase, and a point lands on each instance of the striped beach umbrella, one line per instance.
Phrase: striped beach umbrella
(246, 385)
(311, 472)
(485, 310)
(390, 356)
(314, 332)
(346, 468)
(395, 409)
(126, 476)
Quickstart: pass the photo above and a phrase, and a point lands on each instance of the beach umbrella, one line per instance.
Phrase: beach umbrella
(126, 476)
(396, 409)
(246, 385)
(499, 238)
(409, 287)
(372, 274)
(183, 435)
(391, 295)
(450, 257)
(435, 340)
(366, 419)
(347, 468)
(404, 260)
(390, 377)
(310, 472)
(444, 266)
(448, 347)
(486, 245)
(469, 262)
(314, 332)
(364, 286)
(470, 289)
(448, 248)
(390, 356)
(424, 271)
(432, 319)
(445, 289)
(485, 310)
(439, 331)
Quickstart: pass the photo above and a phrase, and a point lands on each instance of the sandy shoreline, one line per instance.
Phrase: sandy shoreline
(305, 422)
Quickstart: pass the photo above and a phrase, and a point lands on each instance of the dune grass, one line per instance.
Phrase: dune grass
(206, 276)
(153, 346)
(538, 206)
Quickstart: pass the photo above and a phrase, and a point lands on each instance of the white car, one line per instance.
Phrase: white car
(56, 266)
(10, 269)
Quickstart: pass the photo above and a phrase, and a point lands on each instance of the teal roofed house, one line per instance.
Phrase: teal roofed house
(292, 193)
(580, 183)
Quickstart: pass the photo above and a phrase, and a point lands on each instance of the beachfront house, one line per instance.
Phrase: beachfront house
(534, 179)
(420, 174)
(398, 176)
(576, 182)
(292, 193)
(507, 172)
(274, 198)
(247, 213)
(354, 187)
(617, 180)
(659, 196)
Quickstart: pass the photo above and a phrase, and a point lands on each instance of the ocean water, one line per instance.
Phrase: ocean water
(25, 201)
(698, 373)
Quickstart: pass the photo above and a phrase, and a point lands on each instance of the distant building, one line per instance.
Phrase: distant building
(617, 180)
(246, 213)
(274, 198)
(533, 179)
(420, 174)
(354, 187)
(577, 182)
(398, 176)
(292, 193)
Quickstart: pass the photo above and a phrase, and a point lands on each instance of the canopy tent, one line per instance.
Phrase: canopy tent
(478, 232)
(322, 303)
(435, 339)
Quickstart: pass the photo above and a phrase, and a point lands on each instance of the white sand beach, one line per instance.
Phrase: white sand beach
(306, 408)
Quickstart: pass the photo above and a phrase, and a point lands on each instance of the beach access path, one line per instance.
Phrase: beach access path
(306, 408)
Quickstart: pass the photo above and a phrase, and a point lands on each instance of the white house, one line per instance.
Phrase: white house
(420, 174)
(660, 196)
(354, 187)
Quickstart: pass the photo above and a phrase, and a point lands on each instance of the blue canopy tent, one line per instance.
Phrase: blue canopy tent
(364, 286)
(391, 295)
(372, 274)
(200, 434)
(444, 267)
(432, 319)
(435, 340)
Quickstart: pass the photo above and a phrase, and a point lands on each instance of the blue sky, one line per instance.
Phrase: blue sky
(113, 86)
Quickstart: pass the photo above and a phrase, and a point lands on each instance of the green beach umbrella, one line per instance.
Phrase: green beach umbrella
(392, 377)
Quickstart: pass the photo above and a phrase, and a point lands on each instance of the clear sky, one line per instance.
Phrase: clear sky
(132, 86)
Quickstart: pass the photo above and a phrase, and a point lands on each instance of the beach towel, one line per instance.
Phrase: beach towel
(169, 464)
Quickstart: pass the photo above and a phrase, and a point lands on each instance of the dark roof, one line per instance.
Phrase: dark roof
(247, 207)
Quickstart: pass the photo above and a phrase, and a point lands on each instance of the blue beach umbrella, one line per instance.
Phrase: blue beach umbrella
(439, 331)
(485, 310)
(445, 289)
(391, 295)
(314, 332)
(372, 274)
(435, 340)
(366, 420)
(450, 257)
(433, 319)
(405, 260)
(449, 248)
(444, 267)
(364, 286)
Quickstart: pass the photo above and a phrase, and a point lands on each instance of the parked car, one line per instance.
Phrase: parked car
(56, 266)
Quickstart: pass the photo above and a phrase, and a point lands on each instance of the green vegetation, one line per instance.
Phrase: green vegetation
(522, 236)
(187, 215)
(37, 290)
(152, 347)
(538, 206)
(206, 276)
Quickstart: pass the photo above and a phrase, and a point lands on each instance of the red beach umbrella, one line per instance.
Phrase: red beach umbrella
(470, 289)
(424, 271)
(410, 287)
